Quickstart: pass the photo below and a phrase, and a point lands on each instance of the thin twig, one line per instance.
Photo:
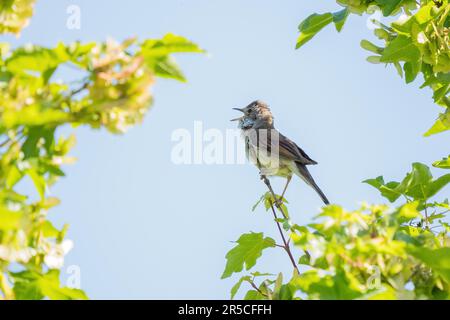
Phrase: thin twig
(76, 91)
(286, 244)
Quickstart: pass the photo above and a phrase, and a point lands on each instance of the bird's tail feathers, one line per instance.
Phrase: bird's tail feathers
(306, 176)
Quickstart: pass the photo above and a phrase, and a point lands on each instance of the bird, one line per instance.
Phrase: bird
(273, 153)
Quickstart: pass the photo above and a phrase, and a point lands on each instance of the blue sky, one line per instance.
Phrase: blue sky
(144, 227)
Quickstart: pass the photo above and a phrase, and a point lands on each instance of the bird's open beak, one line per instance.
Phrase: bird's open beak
(237, 119)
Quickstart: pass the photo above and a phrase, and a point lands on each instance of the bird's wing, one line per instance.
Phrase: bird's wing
(286, 147)
(291, 150)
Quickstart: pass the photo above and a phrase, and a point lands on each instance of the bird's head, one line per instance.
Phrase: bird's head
(256, 115)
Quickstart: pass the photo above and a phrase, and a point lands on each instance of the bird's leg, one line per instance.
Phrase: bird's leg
(267, 182)
(288, 179)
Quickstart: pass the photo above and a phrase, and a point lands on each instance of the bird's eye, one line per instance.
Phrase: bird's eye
(249, 111)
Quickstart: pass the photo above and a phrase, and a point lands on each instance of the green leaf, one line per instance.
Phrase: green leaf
(39, 182)
(420, 174)
(408, 211)
(15, 15)
(437, 259)
(27, 291)
(13, 176)
(374, 59)
(369, 46)
(248, 249)
(33, 58)
(236, 287)
(10, 220)
(341, 286)
(388, 190)
(399, 69)
(32, 285)
(253, 295)
(435, 186)
(167, 68)
(169, 44)
(440, 93)
(156, 53)
(261, 274)
(278, 285)
(400, 49)
(439, 126)
(416, 182)
(311, 26)
(49, 230)
(388, 6)
(424, 14)
(412, 69)
(377, 182)
(35, 134)
(443, 164)
(34, 115)
(305, 259)
(381, 34)
(385, 293)
(339, 18)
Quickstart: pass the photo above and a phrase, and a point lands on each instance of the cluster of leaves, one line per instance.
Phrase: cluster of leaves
(416, 43)
(15, 15)
(418, 185)
(111, 90)
(371, 253)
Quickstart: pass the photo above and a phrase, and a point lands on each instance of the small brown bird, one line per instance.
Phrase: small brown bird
(273, 153)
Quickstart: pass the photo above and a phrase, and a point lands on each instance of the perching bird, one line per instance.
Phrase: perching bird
(273, 153)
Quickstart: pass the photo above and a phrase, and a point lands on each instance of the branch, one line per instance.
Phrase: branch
(286, 243)
(77, 91)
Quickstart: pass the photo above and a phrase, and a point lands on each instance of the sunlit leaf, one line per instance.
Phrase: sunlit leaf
(10, 220)
(365, 44)
(388, 6)
(238, 284)
(253, 295)
(400, 49)
(443, 164)
(32, 285)
(437, 259)
(15, 15)
(248, 249)
(439, 126)
(339, 18)
(311, 26)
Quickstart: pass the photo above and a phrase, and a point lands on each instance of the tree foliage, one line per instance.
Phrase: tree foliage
(416, 43)
(374, 252)
(111, 90)
(15, 15)
(377, 251)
